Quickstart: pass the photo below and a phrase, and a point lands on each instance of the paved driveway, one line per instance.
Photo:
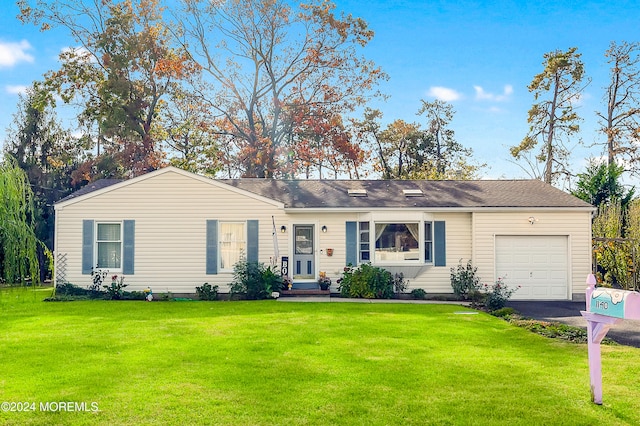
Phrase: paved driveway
(626, 333)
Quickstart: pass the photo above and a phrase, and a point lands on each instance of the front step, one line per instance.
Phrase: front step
(304, 292)
(306, 286)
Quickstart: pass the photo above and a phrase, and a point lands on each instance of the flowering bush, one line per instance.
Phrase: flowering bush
(465, 281)
(497, 295)
(115, 291)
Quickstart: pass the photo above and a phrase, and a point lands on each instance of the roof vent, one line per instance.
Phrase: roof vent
(412, 192)
(357, 193)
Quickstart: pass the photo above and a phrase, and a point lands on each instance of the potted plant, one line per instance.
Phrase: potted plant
(324, 281)
(286, 283)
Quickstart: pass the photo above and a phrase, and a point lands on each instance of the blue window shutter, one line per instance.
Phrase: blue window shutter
(87, 247)
(352, 243)
(212, 247)
(439, 244)
(252, 241)
(128, 246)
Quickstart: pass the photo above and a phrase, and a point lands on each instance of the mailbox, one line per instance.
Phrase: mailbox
(605, 308)
(615, 303)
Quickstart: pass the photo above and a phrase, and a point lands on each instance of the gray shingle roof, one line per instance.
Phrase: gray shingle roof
(90, 187)
(389, 194)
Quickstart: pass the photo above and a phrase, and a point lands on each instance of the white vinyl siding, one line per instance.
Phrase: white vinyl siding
(574, 226)
(171, 212)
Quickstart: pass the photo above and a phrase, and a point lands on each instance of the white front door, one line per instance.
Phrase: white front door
(303, 252)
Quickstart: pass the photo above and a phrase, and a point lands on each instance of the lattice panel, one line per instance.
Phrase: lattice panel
(61, 268)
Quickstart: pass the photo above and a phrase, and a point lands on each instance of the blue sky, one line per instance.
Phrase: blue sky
(478, 55)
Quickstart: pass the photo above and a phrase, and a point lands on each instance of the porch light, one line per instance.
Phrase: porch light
(324, 228)
(283, 229)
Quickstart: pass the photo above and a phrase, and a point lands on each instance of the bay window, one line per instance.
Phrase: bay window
(396, 242)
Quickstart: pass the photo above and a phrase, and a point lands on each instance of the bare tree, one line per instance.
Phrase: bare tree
(620, 121)
(553, 119)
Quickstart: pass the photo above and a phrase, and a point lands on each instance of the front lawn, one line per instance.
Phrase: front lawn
(266, 363)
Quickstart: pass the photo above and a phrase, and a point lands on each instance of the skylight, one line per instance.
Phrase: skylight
(412, 192)
(357, 192)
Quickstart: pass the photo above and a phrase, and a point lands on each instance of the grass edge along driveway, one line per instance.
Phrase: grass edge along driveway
(266, 363)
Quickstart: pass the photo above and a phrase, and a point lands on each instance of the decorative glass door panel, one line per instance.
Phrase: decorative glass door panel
(304, 252)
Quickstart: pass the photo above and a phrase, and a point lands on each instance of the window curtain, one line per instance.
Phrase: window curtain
(232, 244)
(380, 227)
(414, 231)
(108, 232)
(109, 246)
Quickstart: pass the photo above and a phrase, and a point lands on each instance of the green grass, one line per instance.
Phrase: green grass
(267, 363)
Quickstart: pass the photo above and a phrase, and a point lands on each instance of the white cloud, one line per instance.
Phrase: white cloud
(481, 95)
(444, 94)
(12, 53)
(79, 52)
(579, 99)
(16, 90)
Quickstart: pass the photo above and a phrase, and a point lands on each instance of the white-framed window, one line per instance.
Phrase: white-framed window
(364, 251)
(428, 242)
(232, 243)
(386, 242)
(397, 242)
(108, 246)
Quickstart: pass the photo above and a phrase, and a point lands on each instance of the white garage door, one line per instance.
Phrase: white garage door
(536, 263)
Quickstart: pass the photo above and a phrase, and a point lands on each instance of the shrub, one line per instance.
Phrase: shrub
(478, 298)
(464, 280)
(272, 280)
(555, 330)
(344, 282)
(253, 281)
(247, 280)
(399, 284)
(68, 291)
(370, 282)
(166, 297)
(504, 312)
(498, 295)
(207, 292)
(418, 293)
(97, 278)
(134, 295)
